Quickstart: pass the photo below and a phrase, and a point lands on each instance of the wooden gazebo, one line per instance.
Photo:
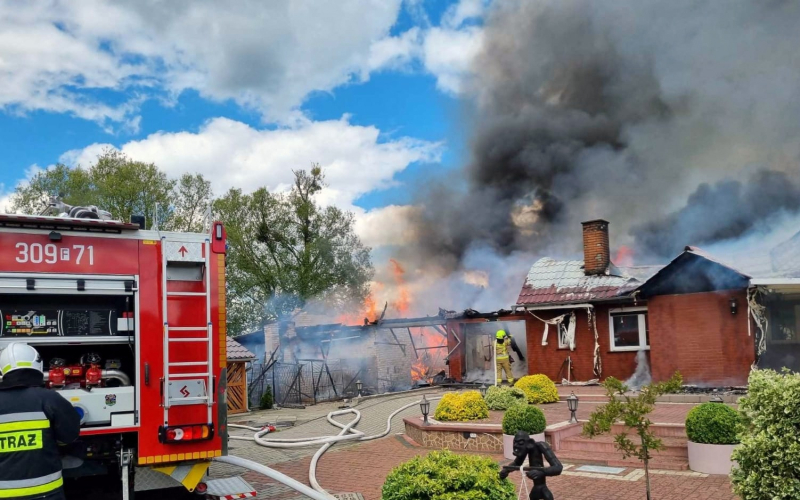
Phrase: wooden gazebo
(238, 357)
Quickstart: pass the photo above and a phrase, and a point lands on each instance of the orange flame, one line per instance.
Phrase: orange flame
(431, 361)
(420, 371)
(624, 256)
(403, 302)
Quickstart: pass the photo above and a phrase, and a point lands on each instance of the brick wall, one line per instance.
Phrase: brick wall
(393, 364)
(698, 335)
(549, 359)
(596, 251)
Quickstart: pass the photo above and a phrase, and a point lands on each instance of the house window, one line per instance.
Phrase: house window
(785, 327)
(566, 332)
(629, 329)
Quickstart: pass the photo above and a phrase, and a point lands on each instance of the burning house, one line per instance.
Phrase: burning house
(574, 321)
(591, 319)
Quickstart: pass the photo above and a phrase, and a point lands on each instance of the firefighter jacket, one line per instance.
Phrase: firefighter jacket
(33, 420)
(502, 348)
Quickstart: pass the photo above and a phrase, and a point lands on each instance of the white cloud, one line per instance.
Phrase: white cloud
(233, 154)
(448, 54)
(266, 55)
(392, 225)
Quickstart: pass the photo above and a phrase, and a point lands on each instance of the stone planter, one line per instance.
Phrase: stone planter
(711, 458)
(508, 444)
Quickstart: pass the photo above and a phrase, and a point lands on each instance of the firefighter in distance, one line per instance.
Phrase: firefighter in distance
(503, 358)
(33, 421)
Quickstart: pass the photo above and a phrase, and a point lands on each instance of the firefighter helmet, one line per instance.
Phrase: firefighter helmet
(501, 334)
(18, 356)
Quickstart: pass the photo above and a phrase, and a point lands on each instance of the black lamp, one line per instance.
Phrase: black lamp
(483, 389)
(572, 404)
(359, 386)
(734, 305)
(425, 407)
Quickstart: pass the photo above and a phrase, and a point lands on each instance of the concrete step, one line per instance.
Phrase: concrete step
(674, 447)
(616, 460)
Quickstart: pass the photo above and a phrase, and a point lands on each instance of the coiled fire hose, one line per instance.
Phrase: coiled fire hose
(348, 433)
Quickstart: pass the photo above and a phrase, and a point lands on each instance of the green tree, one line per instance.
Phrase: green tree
(193, 196)
(123, 187)
(632, 412)
(126, 187)
(73, 184)
(286, 249)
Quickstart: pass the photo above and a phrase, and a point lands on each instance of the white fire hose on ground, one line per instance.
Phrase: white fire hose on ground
(348, 433)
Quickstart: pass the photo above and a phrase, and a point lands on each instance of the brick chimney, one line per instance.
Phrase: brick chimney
(596, 251)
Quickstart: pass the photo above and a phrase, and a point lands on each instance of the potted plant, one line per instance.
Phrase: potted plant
(712, 431)
(443, 474)
(522, 418)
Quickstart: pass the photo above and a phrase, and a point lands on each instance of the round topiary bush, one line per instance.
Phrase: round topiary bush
(503, 398)
(524, 418)
(456, 406)
(538, 389)
(443, 475)
(712, 423)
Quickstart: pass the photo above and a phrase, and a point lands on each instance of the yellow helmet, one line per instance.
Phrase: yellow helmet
(501, 334)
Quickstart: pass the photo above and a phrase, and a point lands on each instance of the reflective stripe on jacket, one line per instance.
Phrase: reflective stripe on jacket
(30, 487)
(501, 349)
(33, 420)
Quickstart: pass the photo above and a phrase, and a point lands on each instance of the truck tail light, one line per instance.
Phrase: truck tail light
(186, 433)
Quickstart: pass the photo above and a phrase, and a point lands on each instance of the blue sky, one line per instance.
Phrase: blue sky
(388, 100)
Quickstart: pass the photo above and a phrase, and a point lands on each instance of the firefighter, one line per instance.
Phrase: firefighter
(33, 420)
(502, 358)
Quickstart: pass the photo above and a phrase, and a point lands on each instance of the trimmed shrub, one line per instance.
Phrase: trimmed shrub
(503, 398)
(456, 406)
(769, 457)
(266, 400)
(443, 475)
(713, 423)
(538, 389)
(524, 418)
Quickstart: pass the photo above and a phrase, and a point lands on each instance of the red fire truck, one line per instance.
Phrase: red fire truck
(131, 326)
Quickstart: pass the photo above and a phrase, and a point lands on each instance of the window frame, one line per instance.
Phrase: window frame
(773, 324)
(558, 332)
(641, 312)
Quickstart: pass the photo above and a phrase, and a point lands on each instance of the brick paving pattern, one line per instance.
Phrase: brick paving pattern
(363, 467)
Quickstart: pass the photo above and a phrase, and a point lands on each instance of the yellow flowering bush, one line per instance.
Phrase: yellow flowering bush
(456, 406)
(538, 389)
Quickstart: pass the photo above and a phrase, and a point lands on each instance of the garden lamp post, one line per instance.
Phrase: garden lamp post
(359, 386)
(483, 389)
(425, 407)
(572, 404)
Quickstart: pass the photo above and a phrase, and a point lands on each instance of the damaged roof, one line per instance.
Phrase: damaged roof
(694, 271)
(564, 281)
(238, 352)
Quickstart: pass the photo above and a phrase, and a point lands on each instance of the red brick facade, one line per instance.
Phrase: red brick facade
(549, 359)
(697, 335)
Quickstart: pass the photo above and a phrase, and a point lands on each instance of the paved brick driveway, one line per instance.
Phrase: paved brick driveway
(363, 469)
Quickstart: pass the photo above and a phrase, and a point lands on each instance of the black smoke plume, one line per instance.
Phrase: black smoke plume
(620, 110)
(724, 211)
